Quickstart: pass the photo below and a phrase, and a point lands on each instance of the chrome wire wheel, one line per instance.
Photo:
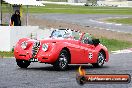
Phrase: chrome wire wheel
(100, 60)
(62, 62)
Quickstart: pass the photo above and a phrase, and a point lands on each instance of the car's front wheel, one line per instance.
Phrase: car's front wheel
(23, 63)
(100, 60)
(62, 62)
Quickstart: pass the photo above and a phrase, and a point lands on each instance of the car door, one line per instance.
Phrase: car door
(77, 54)
(88, 48)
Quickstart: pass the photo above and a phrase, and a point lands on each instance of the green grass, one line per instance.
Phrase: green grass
(121, 20)
(113, 44)
(6, 54)
(6, 8)
(52, 8)
(69, 9)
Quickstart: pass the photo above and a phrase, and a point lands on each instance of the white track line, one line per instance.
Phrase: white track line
(109, 23)
(118, 24)
(104, 22)
(101, 22)
(122, 51)
(117, 17)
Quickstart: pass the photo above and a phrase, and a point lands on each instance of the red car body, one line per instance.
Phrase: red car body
(79, 52)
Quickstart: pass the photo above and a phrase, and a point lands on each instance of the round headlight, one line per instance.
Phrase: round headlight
(45, 47)
(24, 45)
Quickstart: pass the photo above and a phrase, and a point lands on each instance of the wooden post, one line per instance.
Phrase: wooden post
(1, 12)
(27, 16)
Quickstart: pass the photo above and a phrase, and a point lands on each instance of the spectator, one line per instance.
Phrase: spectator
(15, 19)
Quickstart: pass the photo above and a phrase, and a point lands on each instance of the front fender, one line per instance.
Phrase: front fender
(20, 53)
(52, 54)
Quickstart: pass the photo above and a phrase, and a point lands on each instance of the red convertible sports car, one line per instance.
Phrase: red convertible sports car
(62, 48)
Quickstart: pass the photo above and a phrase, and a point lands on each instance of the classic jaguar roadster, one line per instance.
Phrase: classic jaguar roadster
(62, 48)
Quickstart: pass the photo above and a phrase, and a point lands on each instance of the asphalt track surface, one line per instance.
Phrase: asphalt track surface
(40, 75)
(91, 20)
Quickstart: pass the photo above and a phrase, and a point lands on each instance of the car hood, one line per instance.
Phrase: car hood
(54, 40)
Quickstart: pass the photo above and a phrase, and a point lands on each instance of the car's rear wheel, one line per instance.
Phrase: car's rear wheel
(23, 63)
(100, 60)
(62, 62)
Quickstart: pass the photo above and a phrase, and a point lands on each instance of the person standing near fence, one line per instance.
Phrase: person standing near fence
(15, 19)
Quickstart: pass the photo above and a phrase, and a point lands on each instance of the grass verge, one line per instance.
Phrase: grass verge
(113, 44)
(6, 54)
(69, 9)
(121, 20)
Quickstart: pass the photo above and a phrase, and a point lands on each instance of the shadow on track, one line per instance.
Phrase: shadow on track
(70, 68)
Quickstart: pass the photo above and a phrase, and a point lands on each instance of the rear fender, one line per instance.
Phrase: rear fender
(101, 48)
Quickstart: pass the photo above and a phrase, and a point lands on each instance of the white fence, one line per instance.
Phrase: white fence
(115, 3)
(99, 3)
(9, 35)
(72, 2)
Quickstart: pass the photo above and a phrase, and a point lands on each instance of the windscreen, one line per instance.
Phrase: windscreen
(65, 34)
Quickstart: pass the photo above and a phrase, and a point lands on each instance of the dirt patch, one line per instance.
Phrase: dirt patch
(1, 56)
(94, 31)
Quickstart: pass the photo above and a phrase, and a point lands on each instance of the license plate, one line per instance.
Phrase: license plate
(33, 60)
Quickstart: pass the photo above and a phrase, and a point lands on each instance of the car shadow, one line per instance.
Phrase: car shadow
(70, 68)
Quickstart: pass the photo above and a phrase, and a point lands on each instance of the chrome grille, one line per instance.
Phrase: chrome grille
(35, 48)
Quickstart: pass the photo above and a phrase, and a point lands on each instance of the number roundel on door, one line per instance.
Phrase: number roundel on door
(90, 55)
